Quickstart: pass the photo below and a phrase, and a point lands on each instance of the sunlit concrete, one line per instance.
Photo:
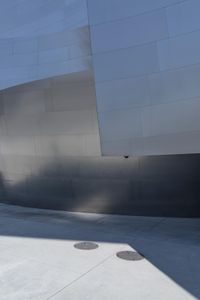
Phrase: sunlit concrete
(38, 260)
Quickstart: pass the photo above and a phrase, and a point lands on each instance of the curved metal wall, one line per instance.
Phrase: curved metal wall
(151, 186)
(147, 68)
(147, 88)
(42, 39)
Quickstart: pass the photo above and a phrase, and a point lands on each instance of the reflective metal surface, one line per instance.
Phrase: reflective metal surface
(152, 186)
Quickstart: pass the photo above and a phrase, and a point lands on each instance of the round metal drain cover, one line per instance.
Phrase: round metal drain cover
(130, 255)
(86, 246)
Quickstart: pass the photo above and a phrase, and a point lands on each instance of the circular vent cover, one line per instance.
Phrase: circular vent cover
(130, 255)
(86, 246)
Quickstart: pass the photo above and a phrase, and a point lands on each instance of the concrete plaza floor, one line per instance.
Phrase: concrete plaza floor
(38, 259)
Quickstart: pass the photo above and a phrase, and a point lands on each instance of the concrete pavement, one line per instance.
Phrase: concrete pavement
(38, 260)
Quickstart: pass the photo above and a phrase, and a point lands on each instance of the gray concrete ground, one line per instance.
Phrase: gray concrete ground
(38, 260)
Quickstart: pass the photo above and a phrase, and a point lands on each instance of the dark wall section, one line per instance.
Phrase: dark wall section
(152, 186)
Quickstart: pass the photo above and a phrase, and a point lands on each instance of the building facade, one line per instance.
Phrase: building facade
(84, 84)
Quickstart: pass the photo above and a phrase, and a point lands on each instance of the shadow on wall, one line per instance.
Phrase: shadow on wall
(149, 186)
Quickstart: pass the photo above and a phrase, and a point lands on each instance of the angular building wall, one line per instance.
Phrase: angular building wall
(64, 131)
(147, 69)
(41, 39)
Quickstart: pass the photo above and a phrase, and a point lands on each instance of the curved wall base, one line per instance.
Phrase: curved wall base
(150, 186)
